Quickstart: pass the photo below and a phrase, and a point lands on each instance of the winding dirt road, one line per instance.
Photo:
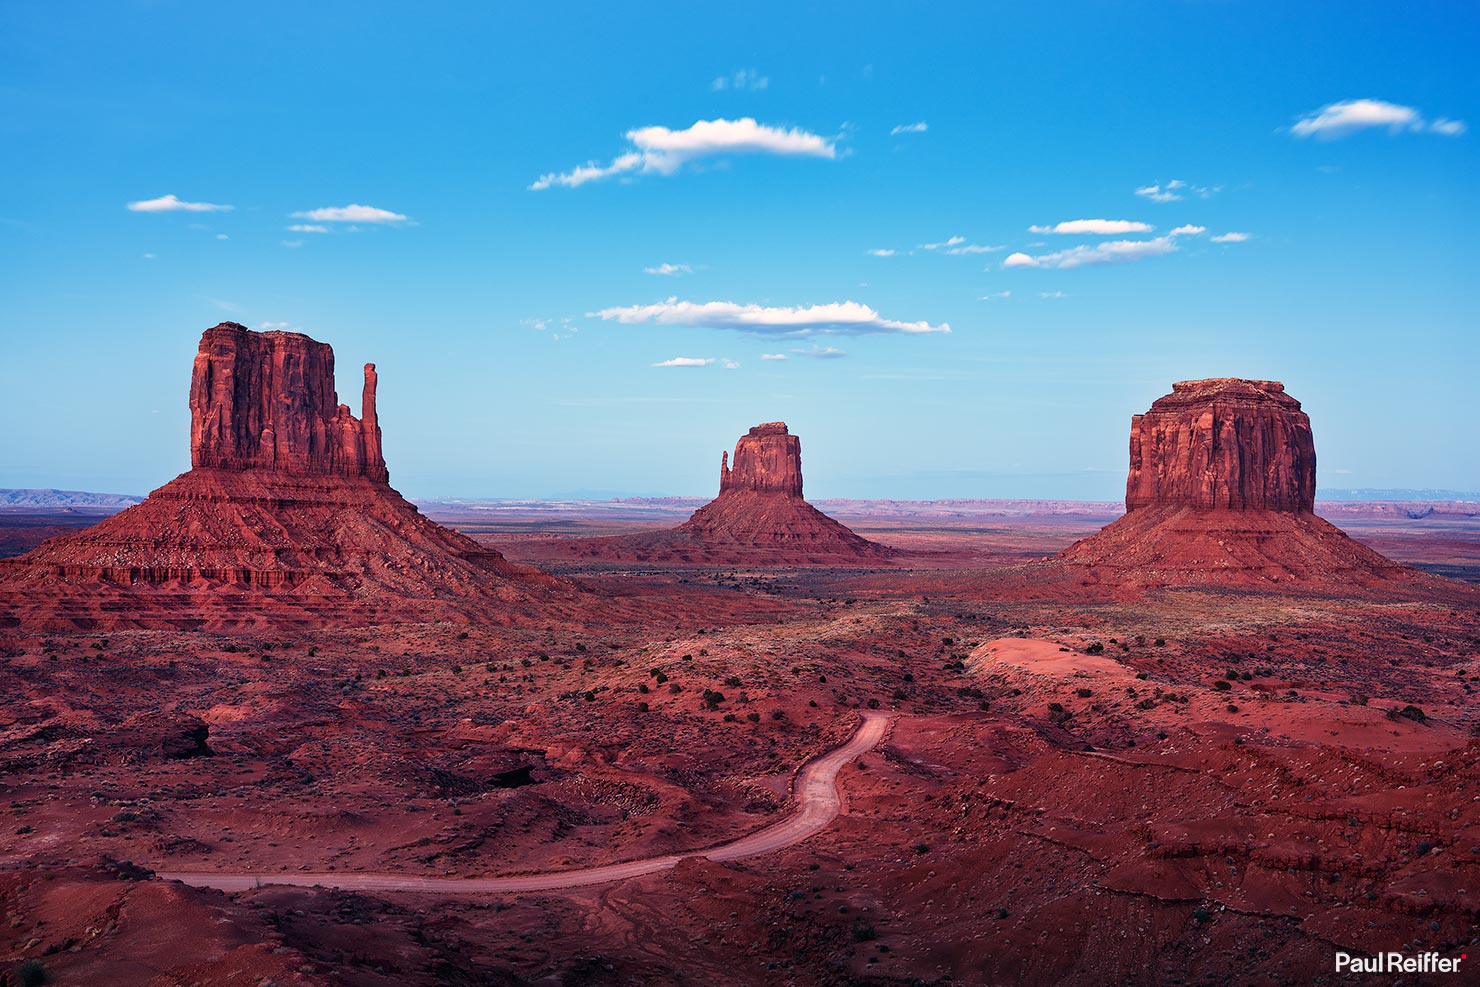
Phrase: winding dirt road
(818, 803)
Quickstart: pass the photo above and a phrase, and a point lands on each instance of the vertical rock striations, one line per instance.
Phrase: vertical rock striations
(1223, 444)
(768, 459)
(266, 400)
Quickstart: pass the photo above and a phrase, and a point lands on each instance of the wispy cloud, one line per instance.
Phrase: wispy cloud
(292, 244)
(729, 364)
(1231, 237)
(272, 325)
(1336, 120)
(881, 252)
(658, 150)
(668, 269)
(350, 214)
(850, 318)
(1108, 252)
(910, 128)
(995, 296)
(687, 361)
(822, 353)
(743, 80)
(1176, 190)
(308, 228)
(169, 203)
(942, 245)
(1094, 227)
(773, 356)
(1052, 294)
(975, 248)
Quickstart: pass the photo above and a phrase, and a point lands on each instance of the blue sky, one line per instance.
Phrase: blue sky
(526, 174)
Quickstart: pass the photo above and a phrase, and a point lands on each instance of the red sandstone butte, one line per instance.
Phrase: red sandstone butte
(1221, 488)
(759, 517)
(265, 400)
(1223, 443)
(286, 516)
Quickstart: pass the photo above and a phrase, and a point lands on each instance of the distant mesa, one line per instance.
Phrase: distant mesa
(1221, 488)
(287, 514)
(759, 518)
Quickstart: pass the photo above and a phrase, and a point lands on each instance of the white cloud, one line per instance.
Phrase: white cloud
(667, 268)
(169, 203)
(222, 236)
(975, 248)
(686, 361)
(881, 252)
(308, 228)
(293, 244)
(661, 151)
(848, 317)
(741, 81)
(149, 256)
(350, 214)
(822, 353)
(951, 242)
(1176, 190)
(1231, 237)
(729, 364)
(773, 356)
(910, 128)
(996, 295)
(1350, 116)
(1108, 252)
(272, 325)
(1052, 294)
(1094, 227)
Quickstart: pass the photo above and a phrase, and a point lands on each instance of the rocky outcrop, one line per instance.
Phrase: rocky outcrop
(1221, 489)
(266, 400)
(286, 517)
(759, 518)
(768, 459)
(1226, 444)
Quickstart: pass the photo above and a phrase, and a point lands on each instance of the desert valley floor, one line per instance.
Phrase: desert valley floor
(1077, 785)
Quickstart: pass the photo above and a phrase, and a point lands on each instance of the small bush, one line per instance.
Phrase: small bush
(1095, 649)
(864, 933)
(31, 973)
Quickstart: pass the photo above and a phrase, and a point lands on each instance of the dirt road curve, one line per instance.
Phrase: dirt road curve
(818, 802)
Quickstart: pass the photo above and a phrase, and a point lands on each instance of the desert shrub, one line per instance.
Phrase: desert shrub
(863, 933)
(753, 717)
(733, 680)
(922, 848)
(1408, 713)
(1222, 686)
(900, 694)
(1083, 693)
(1231, 708)
(642, 687)
(1201, 915)
(1095, 649)
(642, 707)
(1161, 642)
(777, 714)
(31, 973)
(873, 704)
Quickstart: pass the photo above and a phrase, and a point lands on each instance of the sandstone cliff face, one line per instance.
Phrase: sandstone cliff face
(768, 459)
(1223, 444)
(266, 400)
(1222, 489)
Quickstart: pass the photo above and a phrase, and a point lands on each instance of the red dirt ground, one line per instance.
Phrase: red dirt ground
(1084, 785)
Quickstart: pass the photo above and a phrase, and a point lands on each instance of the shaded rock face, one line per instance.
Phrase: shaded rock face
(266, 400)
(768, 459)
(1223, 444)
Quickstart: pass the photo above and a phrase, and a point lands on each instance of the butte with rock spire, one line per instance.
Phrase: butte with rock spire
(286, 514)
(759, 518)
